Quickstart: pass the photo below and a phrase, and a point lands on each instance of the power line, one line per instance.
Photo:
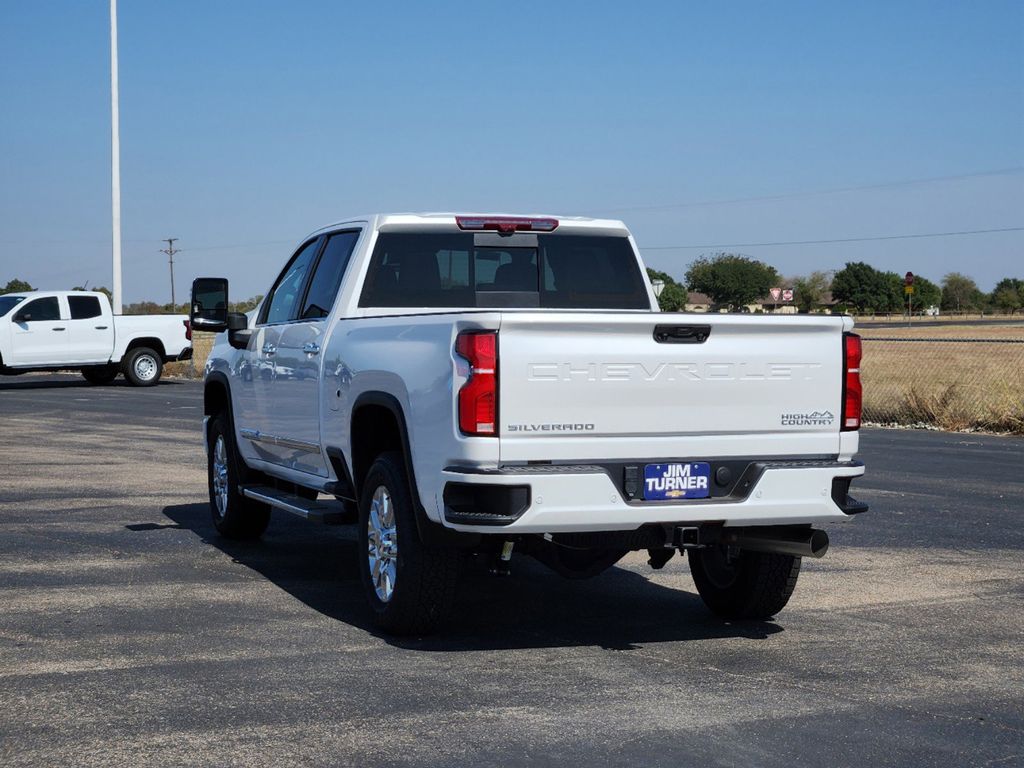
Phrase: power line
(793, 195)
(836, 240)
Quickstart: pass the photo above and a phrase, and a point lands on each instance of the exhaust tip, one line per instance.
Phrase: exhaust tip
(818, 543)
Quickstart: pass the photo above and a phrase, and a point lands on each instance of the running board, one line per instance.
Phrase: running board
(313, 510)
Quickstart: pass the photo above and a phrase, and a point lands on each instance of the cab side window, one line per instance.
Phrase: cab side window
(282, 304)
(39, 309)
(323, 289)
(84, 307)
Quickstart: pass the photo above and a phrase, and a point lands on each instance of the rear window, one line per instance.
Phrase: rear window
(84, 307)
(411, 269)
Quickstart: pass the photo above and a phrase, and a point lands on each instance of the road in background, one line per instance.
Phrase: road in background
(130, 634)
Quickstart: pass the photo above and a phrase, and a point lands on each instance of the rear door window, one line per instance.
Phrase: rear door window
(410, 269)
(84, 307)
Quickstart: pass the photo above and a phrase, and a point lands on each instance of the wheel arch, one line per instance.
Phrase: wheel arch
(216, 394)
(378, 424)
(147, 341)
(217, 399)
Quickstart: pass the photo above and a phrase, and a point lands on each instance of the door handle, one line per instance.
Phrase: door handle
(57, 329)
(101, 327)
(310, 348)
(269, 349)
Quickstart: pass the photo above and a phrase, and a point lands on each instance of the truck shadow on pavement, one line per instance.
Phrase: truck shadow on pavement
(532, 608)
(29, 383)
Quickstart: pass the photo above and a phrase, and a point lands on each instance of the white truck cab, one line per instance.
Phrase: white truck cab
(61, 330)
(505, 383)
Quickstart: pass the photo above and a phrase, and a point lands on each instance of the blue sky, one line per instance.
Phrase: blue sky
(246, 125)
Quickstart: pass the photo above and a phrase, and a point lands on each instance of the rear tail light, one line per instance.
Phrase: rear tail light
(188, 329)
(852, 392)
(506, 224)
(478, 398)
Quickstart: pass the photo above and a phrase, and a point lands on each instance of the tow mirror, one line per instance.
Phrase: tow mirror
(209, 309)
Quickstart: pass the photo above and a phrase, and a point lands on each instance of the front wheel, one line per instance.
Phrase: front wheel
(143, 367)
(234, 515)
(410, 585)
(743, 584)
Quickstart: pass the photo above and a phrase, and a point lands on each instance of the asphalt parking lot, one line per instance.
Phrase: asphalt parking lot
(131, 635)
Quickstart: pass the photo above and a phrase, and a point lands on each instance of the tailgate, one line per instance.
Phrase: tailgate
(589, 386)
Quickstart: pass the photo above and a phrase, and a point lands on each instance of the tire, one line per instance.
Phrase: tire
(752, 585)
(100, 374)
(143, 367)
(409, 585)
(234, 515)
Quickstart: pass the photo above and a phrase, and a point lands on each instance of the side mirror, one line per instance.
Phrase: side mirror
(209, 308)
(23, 317)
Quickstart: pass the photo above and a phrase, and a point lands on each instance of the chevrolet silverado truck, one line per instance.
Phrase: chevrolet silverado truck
(473, 385)
(76, 330)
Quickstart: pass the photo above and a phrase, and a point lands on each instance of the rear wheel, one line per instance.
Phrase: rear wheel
(143, 366)
(234, 515)
(100, 374)
(743, 584)
(410, 585)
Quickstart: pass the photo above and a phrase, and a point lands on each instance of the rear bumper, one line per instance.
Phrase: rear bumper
(556, 499)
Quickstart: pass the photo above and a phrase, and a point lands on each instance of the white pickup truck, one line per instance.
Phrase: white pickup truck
(76, 330)
(490, 384)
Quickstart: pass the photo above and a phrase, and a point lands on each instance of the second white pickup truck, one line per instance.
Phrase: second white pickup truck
(491, 384)
(76, 330)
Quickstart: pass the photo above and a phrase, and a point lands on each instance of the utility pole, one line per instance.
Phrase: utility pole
(170, 250)
(115, 162)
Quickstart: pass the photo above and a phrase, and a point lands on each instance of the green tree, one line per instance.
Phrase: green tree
(731, 279)
(673, 295)
(809, 292)
(926, 294)
(862, 286)
(247, 304)
(1008, 294)
(896, 298)
(960, 293)
(16, 286)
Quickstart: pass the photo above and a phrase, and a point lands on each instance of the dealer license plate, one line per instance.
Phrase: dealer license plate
(663, 482)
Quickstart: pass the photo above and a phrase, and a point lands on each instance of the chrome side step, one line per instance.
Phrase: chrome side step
(313, 510)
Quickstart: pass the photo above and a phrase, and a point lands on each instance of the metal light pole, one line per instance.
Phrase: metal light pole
(115, 161)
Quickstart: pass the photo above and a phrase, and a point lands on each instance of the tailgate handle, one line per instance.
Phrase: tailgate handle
(681, 334)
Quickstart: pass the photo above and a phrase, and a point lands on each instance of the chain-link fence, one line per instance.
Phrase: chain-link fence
(953, 377)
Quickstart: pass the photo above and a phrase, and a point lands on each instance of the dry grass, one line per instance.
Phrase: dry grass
(202, 343)
(955, 377)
